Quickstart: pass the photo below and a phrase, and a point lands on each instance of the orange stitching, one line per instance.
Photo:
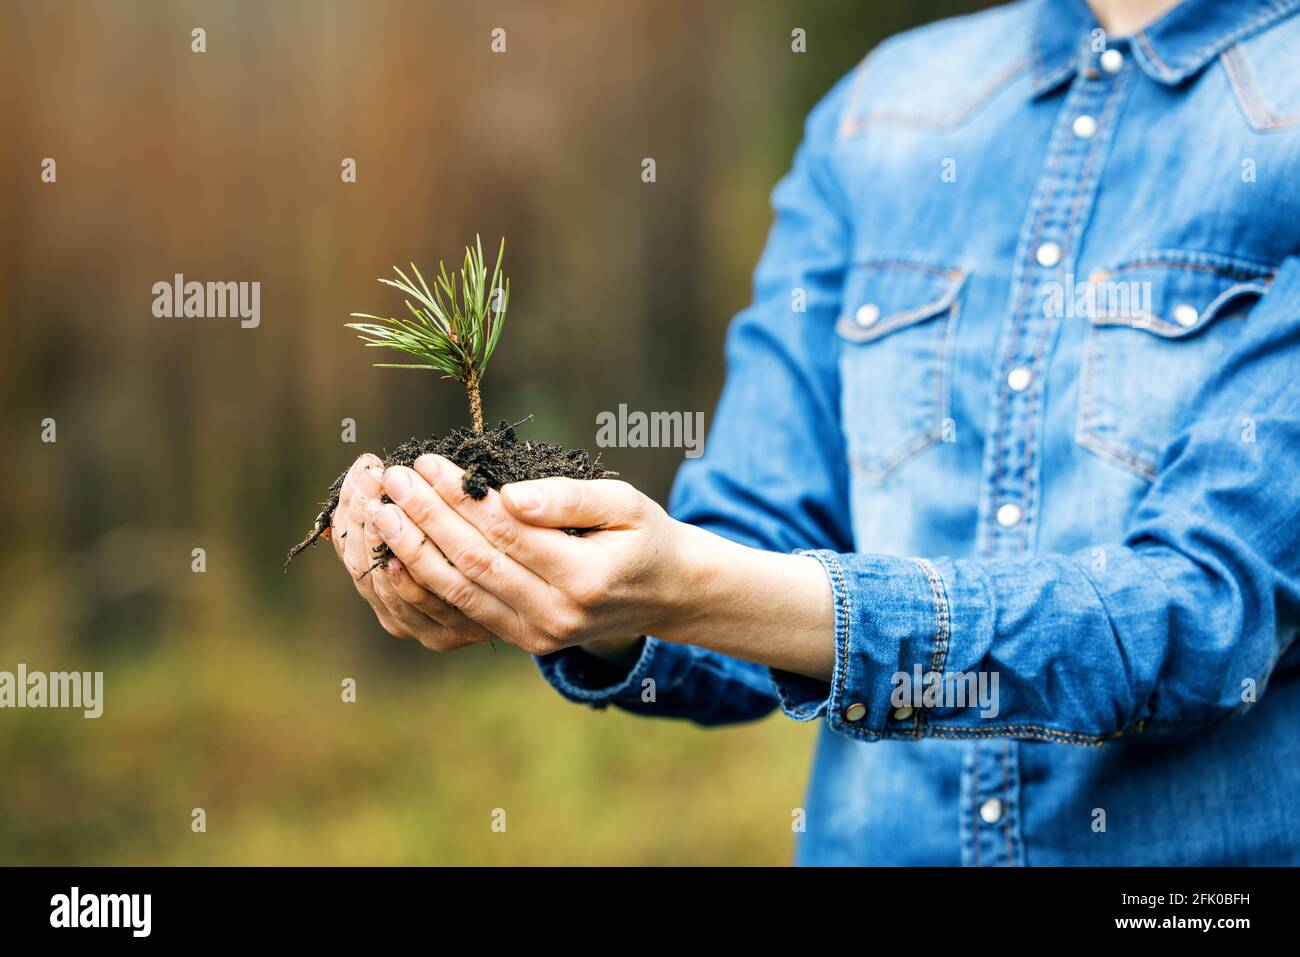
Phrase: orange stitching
(1029, 730)
(1259, 114)
(1237, 272)
(1155, 57)
(940, 628)
(1085, 188)
(975, 797)
(876, 474)
(844, 612)
(1272, 13)
(1026, 281)
(940, 613)
(908, 264)
(1139, 465)
(1006, 797)
(945, 380)
(854, 127)
(959, 734)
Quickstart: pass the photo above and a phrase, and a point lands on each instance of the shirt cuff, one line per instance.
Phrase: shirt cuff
(891, 614)
(587, 679)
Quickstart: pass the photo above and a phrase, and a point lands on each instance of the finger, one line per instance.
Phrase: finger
(430, 630)
(431, 568)
(462, 543)
(339, 521)
(348, 539)
(410, 617)
(414, 622)
(533, 547)
(357, 555)
(339, 517)
(399, 580)
(365, 486)
(457, 630)
(575, 503)
(389, 616)
(417, 613)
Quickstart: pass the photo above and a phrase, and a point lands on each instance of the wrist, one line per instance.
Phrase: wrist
(619, 650)
(699, 578)
(771, 608)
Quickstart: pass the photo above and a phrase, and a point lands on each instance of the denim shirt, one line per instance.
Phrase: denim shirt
(1022, 371)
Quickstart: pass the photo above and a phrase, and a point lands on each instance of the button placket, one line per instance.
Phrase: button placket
(1059, 210)
(1061, 202)
(990, 805)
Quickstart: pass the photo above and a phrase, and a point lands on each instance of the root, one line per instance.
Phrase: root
(506, 428)
(318, 530)
(379, 564)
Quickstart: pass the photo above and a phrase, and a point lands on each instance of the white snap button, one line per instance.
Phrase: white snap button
(1019, 378)
(1084, 126)
(867, 314)
(1186, 315)
(1112, 61)
(991, 811)
(1048, 255)
(902, 714)
(855, 712)
(1008, 515)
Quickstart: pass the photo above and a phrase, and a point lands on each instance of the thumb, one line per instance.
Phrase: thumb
(574, 503)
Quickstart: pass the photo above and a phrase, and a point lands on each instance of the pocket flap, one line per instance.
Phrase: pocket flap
(1171, 294)
(880, 297)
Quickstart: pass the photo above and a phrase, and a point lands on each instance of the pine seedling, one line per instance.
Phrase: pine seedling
(454, 326)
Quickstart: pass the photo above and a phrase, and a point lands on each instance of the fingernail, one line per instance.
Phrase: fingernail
(397, 484)
(389, 523)
(524, 497)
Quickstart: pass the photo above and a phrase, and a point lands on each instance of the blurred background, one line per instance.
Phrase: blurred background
(222, 689)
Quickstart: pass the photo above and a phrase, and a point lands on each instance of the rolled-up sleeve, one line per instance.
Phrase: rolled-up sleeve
(1174, 627)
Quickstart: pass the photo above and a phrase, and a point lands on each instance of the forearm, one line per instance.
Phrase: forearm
(768, 608)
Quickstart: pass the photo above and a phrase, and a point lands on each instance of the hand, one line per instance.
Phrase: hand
(405, 609)
(504, 562)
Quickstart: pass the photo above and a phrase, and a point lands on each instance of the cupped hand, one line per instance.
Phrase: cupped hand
(404, 608)
(505, 563)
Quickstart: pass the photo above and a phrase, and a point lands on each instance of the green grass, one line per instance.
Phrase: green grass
(252, 729)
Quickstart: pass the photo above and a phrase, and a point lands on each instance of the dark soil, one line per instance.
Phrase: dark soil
(490, 461)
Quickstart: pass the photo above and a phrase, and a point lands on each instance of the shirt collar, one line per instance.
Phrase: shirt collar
(1169, 50)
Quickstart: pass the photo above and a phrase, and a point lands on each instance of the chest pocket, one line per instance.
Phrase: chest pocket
(1159, 326)
(894, 333)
